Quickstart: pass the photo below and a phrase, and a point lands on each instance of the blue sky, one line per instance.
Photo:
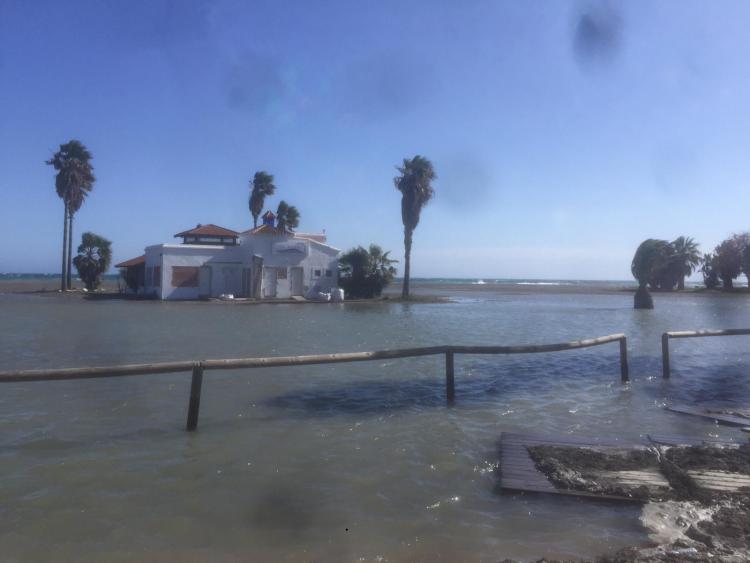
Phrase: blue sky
(563, 133)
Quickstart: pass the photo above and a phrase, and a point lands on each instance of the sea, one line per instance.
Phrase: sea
(345, 462)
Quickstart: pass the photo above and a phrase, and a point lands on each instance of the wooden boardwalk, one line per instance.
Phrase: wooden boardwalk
(708, 412)
(519, 473)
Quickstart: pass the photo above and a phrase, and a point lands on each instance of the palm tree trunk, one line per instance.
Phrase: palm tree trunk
(407, 264)
(255, 221)
(64, 274)
(70, 251)
(681, 282)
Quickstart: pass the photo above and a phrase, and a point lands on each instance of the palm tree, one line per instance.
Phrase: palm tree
(74, 181)
(364, 273)
(262, 186)
(415, 185)
(381, 264)
(686, 258)
(287, 216)
(649, 259)
(93, 259)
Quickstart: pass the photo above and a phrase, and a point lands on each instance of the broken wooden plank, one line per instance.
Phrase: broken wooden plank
(711, 414)
(519, 473)
(669, 440)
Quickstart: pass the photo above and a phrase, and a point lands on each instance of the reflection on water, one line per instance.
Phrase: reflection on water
(334, 462)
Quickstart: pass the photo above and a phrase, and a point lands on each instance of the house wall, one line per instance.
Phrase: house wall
(317, 257)
(225, 263)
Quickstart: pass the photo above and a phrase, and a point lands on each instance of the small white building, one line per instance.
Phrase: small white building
(265, 263)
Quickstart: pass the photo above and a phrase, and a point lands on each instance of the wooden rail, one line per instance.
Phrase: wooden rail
(665, 367)
(198, 367)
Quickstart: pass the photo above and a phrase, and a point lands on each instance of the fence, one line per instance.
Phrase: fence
(665, 367)
(198, 367)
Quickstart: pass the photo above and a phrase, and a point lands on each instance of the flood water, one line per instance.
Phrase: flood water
(334, 463)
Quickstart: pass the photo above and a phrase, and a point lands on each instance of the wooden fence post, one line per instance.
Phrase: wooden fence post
(195, 397)
(665, 356)
(450, 384)
(624, 370)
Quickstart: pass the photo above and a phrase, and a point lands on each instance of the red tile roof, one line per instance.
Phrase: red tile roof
(210, 231)
(132, 262)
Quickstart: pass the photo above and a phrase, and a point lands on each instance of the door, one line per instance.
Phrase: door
(297, 279)
(204, 281)
(232, 278)
(269, 282)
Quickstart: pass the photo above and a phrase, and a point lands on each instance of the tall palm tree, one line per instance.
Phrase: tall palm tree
(262, 186)
(74, 181)
(687, 258)
(287, 216)
(415, 185)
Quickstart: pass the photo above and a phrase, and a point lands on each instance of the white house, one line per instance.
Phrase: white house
(265, 262)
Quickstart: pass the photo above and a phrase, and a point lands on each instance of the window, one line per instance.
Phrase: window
(329, 274)
(280, 273)
(157, 276)
(184, 276)
(316, 273)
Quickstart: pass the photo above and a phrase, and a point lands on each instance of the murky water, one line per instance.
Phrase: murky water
(344, 462)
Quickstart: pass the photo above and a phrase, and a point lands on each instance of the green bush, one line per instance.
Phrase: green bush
(364, 273)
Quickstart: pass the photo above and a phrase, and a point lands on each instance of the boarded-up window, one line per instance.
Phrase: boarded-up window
(185, 276)
(280, 273)
(157, 276)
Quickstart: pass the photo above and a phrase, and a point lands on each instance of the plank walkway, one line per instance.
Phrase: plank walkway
(706, 412)
(519, 473)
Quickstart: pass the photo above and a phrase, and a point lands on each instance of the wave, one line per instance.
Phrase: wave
(543, 283)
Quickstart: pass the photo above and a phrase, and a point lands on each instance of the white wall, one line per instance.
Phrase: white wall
(318, 256)
(170, 255)
(227, 263)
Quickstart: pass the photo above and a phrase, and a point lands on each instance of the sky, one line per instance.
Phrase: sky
(562, 133)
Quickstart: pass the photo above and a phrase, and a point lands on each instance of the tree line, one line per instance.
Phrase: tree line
(663, 266)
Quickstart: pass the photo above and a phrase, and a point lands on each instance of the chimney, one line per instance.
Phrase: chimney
(269, 219)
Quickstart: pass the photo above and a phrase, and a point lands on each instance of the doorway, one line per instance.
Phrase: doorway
(297, 281)
(269, 282)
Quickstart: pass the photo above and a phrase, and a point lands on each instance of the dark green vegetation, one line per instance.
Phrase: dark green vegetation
(93, 259)
(659, 264)
(287, 216)
(663, 266)
(415, 184)
(73, 183)
(364, 273)
(261, 186)
(730, 259)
